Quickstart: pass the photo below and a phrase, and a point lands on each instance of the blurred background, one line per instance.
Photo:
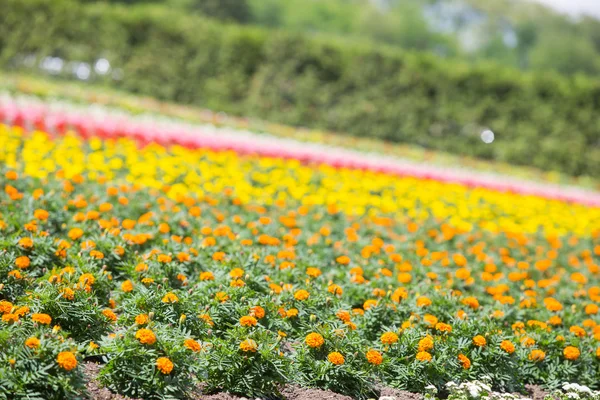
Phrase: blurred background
(430, 73)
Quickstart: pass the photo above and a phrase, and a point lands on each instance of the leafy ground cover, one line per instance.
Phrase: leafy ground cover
(178, 267)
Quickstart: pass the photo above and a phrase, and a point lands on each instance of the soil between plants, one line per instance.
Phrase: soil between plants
(289, 392)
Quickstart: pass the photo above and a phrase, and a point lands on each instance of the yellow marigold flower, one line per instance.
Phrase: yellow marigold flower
(108, 313)
(248, 320)
(93, 346)
(192, 345)
(236, 273)
(507, 346)
(301, 295)
(221, 296)
(336, 358)
(571, 353)
(389, 338)
(537, 355)
(314, 340)
(479, 341)
(147, 281)
(464, 360)
(423, 356)
(145, 336)
(248, 345)
(170, 298)
(32, 343)
(43, 319)
(374, 357)
(127, 286)
(164, 365)
(66, 360)
(22, 262)
(291, 313)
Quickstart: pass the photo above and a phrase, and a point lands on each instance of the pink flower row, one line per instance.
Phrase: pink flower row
(106, 124)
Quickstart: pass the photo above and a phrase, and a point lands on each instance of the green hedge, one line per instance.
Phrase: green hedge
(545, 121)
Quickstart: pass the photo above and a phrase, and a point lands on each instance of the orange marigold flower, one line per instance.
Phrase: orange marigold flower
(22, 262)
(108, 313)
(145, 336)
(423, 356)
(301, 295)
(336, 358)
(589, 309)
(343, 315)
(9, 318)
(248, 346)
(374, 357)
(389, 338)
(257, 312)
(291, 313)
(537, 355)
(207, 276)
(26, 243)
(479, 341)
(426, 343)
(164, 258)
(127, 286)
(40, 214)
(442, 327)
(507, 346)
(577, 331)
(471, 302)
(68, 293)
(66, 360)
(218, 256)
(192, 345)
(423, 301)
(170, 298)
(164, 365)
(313, 272)
(571, 353)
(43, 319)
(32, 343)
(344, 260)
(248, 321)
(464, 360)
(314, 340)
(335, 289)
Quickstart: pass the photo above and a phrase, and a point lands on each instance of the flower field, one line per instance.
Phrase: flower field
(176, 264)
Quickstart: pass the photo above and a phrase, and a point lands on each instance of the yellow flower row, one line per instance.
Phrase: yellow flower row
(264, 180)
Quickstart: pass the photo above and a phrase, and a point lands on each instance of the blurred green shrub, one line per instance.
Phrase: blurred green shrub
(542, 119)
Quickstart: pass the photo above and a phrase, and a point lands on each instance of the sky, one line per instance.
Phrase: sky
(575, 7)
